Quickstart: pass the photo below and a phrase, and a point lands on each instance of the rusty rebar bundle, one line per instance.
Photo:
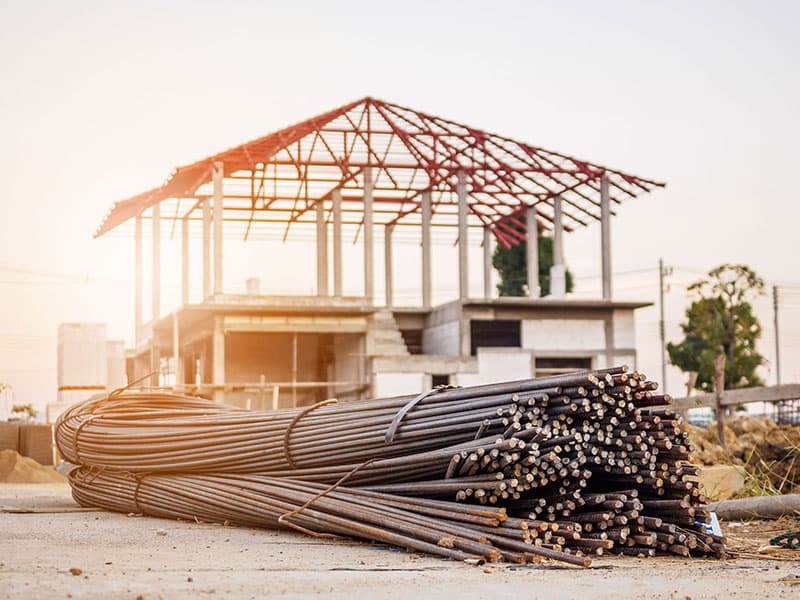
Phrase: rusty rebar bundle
(558, 467)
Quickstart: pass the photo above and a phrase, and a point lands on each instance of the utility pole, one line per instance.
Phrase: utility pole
(662, 272)
(777, 339)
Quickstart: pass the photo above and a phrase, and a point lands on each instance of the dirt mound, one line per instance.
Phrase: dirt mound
(15, 468)
(769, 453)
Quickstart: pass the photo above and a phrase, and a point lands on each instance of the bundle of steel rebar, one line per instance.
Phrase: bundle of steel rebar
(584, 463)
(447, 529)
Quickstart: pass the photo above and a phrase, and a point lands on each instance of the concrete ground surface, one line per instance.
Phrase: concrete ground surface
(118, 556)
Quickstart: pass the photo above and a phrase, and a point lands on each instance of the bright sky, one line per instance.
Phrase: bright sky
(100, 100)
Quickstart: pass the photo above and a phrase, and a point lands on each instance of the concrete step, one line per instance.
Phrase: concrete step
(384, 337)
(387, 350)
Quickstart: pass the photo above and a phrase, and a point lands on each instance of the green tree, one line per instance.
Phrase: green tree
(721, 317)
(512, 265)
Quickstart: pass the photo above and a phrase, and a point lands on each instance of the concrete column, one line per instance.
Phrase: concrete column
(176, 352)
(156, 274)
(532, 227)
(487, 263)
(369, 239)
(155, 358)
(322, 250)
(218, 368)
(558, 276)
(463, 239)
(336, 196)
(605, 236)
(185, 269)
(218, 230)
(155, 364)
(137, 266)
(206, 248)
(387, 262)
(426, 248)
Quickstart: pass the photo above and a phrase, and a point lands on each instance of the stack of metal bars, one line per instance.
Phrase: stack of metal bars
(558, 467)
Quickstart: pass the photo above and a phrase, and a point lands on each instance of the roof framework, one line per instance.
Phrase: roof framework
(281, 177)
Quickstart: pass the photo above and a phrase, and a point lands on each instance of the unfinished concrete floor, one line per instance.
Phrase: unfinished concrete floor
(128, 557)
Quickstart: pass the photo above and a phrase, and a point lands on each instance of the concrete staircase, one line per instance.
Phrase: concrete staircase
(384, 337)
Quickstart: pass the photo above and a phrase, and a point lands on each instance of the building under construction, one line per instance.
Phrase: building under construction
(376, 167)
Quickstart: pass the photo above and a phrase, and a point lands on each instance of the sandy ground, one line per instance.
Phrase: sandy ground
(129, 557)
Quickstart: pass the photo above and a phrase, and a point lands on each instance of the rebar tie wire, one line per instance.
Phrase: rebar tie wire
(284, 517)
(390, 433)
(398, 418)
(139, 477)
(287, 434)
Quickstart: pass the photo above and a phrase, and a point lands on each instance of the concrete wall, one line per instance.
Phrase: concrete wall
(624, 329)
(443, 339)
(498, 364)
(399, 384)
(348, 364)
(115, 354)
(563, 334)
(82, 355)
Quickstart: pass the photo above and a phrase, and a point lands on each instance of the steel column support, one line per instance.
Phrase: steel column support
(185, 269)
(336, 196)
(217, 178)
(426, 248)
(369, 239)
(487, 263)
(206, 248)
(463, 239)
(137, 267)
(605, 236)
(387, 261)
(532, 256)
(322, 250)
(558, 280)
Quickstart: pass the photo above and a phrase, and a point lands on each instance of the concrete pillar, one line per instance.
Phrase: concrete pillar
(137, 266)
(532, 227)
(369, 239)
(218, 350)
(155, 358)
(218, 230)
(322, 250)
(185, 269)
(487, 263)
(426, 247)
(176, 352)
(156, 274)
(206, 248)
(605, 236)
(558, 275)
(463, 239)
(387, 261)
(155, 364)
(336, 196)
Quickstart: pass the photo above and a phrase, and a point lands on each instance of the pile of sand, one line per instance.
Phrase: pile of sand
(15, 468)
(756, 443)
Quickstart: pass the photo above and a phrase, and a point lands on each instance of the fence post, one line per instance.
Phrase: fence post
(719, 386)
